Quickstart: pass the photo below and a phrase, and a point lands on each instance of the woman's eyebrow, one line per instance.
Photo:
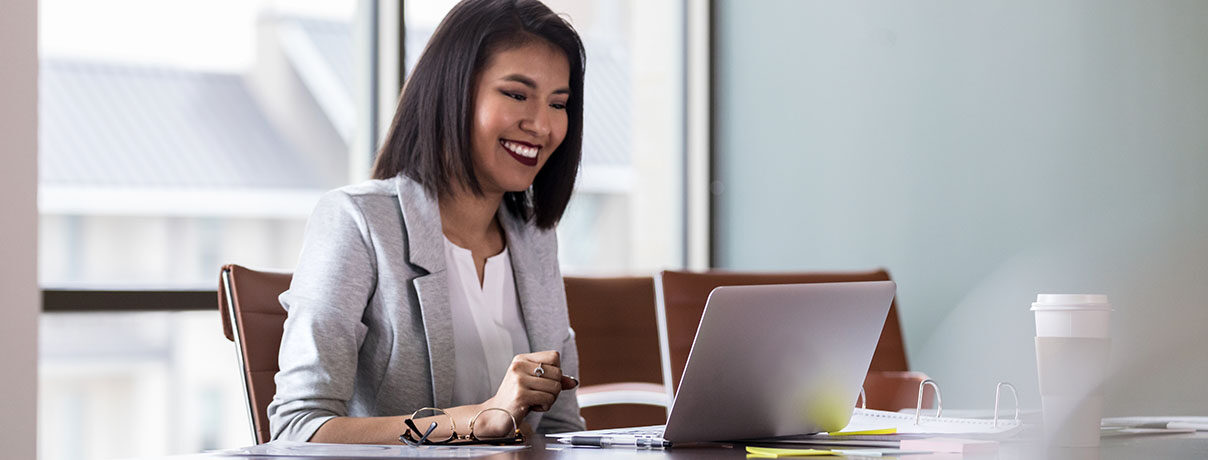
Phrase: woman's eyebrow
(526, 81)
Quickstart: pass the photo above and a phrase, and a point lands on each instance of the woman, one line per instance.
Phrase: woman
(437, 284)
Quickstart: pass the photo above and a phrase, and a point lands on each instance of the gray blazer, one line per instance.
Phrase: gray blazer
(369, 331)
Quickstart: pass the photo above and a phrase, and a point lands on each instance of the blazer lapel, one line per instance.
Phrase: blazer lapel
(532, 267)
(425, 248)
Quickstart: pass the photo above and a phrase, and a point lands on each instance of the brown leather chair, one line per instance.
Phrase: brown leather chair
(615, 323)
(618, 349)
(253, 318)
(683, 302)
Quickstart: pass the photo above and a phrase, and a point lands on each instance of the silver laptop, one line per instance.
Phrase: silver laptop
(772, 360)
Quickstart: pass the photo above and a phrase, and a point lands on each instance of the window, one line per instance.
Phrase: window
(176, 136)
(180, 135)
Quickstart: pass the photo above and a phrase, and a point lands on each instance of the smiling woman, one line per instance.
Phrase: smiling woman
(436, 285)
(431, 140)
(519, 115)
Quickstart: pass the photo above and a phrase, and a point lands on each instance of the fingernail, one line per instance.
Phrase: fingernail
(574, 379)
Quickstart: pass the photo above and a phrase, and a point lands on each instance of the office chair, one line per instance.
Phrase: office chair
(616, 328)
(682, 295)
(619, 352)
(253, 318)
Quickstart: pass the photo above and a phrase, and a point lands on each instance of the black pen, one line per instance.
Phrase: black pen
(633, 442)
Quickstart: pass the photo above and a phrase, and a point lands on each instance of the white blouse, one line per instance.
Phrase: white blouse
(488, 327)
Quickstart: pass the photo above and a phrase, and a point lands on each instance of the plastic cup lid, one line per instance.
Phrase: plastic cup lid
(1071, 302)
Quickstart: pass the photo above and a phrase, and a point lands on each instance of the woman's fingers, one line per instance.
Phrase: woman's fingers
(540, 379)
(555, 374)
(549, 357)
(569, 382)
(541, 384)
(539, 401)
(547, 371)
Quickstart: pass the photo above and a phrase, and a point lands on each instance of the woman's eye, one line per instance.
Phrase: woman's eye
(516, 96)
(558, 106)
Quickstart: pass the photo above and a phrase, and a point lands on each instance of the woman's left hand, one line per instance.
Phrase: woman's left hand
(532, 383)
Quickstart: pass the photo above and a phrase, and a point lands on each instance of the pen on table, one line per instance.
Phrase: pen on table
(1172, 426)
(614, 441)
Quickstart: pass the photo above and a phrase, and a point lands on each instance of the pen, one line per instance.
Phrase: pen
(615, 441)
(1172, 426)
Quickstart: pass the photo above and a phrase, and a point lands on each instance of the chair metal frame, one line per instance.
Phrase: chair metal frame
(237, 331)
(240, 310)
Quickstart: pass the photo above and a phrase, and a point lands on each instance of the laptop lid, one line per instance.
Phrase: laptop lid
(778, 360)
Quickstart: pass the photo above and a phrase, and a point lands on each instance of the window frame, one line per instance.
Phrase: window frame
(385, 53)
(60, 300)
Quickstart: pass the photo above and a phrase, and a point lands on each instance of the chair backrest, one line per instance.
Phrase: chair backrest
(253, 318)
(615, 323)
(683, 296)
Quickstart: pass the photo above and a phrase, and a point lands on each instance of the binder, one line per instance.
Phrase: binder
(864, 419)
(867, 420)
(874, 428)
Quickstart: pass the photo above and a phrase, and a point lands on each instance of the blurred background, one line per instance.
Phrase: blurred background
(981, 151)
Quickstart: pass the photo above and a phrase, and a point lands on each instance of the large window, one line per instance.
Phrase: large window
(176, 136)
(180, 135)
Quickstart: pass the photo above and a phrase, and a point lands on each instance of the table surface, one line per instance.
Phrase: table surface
(1113, 447)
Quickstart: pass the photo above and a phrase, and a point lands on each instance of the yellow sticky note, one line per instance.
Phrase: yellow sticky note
(854, 433)
(769, 452)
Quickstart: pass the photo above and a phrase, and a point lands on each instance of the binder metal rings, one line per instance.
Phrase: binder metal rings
(997, 392)
(939, 404)
(939, 408)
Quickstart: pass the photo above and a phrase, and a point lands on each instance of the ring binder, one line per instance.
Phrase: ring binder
(997, 392)
(939, 404)
(863, 399)
(868, 420)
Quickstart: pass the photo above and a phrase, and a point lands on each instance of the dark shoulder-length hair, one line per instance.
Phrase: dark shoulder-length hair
(429, 139)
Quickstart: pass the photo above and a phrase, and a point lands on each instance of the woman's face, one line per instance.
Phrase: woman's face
(519, 115)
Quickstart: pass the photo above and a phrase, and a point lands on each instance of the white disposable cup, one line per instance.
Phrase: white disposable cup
(1072, 315)
(1071, 371)
(1072, 347)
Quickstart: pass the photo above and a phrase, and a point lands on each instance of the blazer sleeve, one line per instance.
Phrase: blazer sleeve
(564, 415)
(326, 300)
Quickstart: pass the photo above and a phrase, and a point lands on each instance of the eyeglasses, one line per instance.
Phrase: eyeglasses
(417, 437)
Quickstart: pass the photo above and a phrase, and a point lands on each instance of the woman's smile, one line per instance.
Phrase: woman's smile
(523, 152)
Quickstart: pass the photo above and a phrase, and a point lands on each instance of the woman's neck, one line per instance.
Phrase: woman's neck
(469, 220)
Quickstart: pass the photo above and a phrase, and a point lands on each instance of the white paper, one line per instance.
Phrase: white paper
(314, 449)
(867, 419)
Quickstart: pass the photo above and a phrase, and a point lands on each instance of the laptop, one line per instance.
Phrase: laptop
(769, 361)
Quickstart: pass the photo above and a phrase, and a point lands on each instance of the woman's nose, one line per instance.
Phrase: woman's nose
(536, 123)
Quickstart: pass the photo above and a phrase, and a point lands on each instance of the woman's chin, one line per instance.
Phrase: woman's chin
(518, 186)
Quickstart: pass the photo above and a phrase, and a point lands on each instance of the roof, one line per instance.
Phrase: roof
(137, 125)
(333, 40)
(131, 125)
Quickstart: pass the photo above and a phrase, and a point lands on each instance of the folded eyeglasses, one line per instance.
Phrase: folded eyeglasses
(417, 437)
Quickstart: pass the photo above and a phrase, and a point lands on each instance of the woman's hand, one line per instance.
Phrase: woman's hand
(525, 388)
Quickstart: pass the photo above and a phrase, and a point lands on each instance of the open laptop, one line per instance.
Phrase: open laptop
(772, 360)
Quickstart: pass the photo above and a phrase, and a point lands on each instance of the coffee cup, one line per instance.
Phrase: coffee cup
(1072, 348)
(1072, 315)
